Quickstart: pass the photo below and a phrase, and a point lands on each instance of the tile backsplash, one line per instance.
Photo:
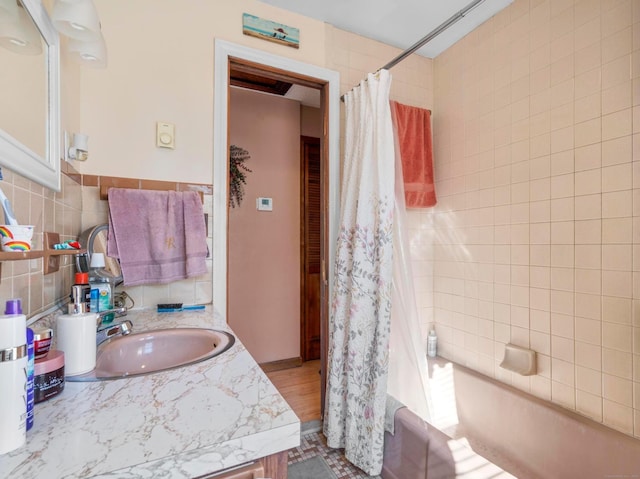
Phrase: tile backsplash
(48, 211)
(69, 212)
(197, 290)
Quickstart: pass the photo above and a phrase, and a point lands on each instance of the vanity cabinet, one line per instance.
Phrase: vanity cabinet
(273, 467)
(225, 405)
(251, 471)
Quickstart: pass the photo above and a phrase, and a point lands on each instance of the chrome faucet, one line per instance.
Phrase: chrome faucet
(105, 332)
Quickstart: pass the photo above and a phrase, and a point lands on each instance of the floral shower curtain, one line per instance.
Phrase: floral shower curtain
(361, 305)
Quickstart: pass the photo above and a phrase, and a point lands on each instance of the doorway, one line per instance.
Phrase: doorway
(278, 68)
(310, 245)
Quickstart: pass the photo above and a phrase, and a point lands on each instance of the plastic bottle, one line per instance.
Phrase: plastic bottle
(104, 282)
(81, 292)
(432, 344)
(14, 307)
(31, 366)
(13, 379)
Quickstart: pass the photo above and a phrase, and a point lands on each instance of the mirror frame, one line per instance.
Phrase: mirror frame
(14, 155)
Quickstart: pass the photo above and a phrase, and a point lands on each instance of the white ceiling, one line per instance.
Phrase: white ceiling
(400, 23)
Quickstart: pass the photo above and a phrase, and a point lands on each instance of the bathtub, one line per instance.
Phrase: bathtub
(487, 429)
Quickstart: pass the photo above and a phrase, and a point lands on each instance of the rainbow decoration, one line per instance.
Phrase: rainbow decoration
(5, 232)
(17, 245)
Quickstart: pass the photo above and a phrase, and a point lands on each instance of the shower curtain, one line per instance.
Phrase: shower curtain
(361, 304)
(408, 371)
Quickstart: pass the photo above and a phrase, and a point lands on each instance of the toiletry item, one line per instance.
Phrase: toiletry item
(30, 371)
(81, 294)
(104, 282)
(42, 342)
(76, 333)
(432, 344)
(95, 297)
(177, 307)
(13, 380)
(49, 376)
(16, 238)
(9, 215)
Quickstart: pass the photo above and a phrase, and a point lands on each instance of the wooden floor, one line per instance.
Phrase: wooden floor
(300, 387)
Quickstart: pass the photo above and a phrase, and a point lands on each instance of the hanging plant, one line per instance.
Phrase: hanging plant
(237, 174)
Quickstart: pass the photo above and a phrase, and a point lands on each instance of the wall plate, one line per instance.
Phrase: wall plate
(165, 135)
(264, 204)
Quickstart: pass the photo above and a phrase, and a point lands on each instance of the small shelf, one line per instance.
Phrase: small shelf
(51, 256)
(17, 255)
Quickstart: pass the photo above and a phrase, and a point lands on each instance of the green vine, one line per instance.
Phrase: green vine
(237, 174)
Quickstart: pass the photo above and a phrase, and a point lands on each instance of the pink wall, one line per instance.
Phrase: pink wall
(310, 121)
(264, 247)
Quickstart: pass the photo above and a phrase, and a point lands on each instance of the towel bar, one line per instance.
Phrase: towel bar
(104, 192)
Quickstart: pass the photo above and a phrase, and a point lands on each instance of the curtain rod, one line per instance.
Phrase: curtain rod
(430, 36)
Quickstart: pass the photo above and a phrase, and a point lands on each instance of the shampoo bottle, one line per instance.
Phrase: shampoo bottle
(14, 307)
(432, 344)
(13, 381)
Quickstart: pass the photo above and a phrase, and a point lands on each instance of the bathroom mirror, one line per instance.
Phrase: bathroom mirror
(29, 105)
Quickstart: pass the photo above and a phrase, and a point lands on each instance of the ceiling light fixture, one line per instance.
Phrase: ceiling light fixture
(77, 19)
(8, 11)
(20, 36)
(90, 54)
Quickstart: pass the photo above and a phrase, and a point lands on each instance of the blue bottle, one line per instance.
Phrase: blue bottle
(13, 307)
(31, 362)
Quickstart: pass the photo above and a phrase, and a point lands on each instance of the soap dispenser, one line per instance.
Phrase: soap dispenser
(76, 333)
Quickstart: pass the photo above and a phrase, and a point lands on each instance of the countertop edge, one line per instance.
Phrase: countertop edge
(211, 459)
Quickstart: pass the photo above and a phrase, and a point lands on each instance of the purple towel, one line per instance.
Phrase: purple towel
(159, 236)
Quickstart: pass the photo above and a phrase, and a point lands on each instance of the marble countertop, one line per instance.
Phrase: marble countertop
(181, 423)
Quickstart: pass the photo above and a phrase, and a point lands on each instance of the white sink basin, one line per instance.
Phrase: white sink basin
(156, 350)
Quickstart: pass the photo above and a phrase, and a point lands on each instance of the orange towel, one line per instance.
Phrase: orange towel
(413, 130)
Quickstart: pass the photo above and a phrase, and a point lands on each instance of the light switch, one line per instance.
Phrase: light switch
(165, 135)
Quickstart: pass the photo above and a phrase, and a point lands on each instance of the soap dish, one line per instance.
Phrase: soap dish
(519, 360)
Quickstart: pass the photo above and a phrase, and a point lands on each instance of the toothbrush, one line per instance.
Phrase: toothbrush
(9, 216)
(177, 307)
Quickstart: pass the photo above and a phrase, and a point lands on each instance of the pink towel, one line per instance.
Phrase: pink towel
(159, 236)
(413, 130)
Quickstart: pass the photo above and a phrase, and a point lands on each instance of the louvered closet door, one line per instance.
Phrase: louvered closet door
(311, 275)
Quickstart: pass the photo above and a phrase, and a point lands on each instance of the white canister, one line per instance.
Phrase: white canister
(76, 337)
(13, 381)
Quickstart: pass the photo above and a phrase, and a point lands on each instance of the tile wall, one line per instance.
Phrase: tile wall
(48, 211)
(537, 231)
(197, 290)
(69, 212)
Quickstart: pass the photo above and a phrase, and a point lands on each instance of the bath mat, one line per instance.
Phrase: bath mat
(313, 468)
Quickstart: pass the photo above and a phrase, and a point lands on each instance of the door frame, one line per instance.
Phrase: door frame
(330, 153)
